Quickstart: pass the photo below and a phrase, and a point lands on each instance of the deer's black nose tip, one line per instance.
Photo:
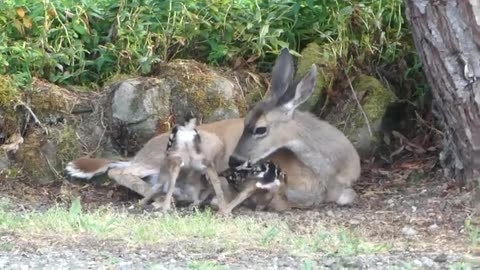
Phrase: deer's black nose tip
(234, 161)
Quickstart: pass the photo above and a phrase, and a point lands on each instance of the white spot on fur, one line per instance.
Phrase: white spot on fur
(261, 174)
(119, 164)
(347, 197)
(295, 145)
(244, 165)
(72, 170)
(185, 135)
(276, 183)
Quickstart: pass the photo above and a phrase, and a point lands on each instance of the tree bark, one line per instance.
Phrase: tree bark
(447, 38)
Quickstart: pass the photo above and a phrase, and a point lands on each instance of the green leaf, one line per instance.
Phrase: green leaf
(346, 10)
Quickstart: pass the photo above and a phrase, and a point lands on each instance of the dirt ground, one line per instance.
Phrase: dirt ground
(410, 206)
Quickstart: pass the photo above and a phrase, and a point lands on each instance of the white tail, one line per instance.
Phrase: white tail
(87, 168)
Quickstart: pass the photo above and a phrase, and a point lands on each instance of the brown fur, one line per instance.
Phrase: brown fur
(91, 164)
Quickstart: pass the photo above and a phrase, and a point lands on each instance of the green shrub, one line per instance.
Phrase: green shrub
(88, 41)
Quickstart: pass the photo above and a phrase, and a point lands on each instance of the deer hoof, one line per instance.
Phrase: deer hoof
(142, 203)
(347, 197)
(224, 212)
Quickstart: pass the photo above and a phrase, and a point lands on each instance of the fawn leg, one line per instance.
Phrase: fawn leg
(217, 187)
(194, 205)
(242, 196)
(278, 204)
(167, 202)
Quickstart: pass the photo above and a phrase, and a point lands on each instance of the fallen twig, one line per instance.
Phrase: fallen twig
(101, 137)
(59, 176)
(422, 121)
(33, 115)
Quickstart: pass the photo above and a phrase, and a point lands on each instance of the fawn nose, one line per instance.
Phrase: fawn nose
(234, 161)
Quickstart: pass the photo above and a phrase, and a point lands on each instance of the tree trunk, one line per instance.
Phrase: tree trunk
(447, 38)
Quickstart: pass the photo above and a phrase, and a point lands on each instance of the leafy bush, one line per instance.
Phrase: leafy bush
(87, 41)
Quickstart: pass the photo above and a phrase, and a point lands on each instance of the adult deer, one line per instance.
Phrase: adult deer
(275, 123)
(320, 162)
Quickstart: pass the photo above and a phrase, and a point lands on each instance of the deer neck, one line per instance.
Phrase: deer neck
(303, 142)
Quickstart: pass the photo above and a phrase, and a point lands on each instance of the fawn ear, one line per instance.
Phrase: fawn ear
(303, 90)
(282, 75)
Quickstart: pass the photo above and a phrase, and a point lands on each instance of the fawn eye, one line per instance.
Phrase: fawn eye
(260, 131)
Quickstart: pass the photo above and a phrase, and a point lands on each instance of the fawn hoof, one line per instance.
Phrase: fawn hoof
(220, 207)
(347, 197)
(192, 207)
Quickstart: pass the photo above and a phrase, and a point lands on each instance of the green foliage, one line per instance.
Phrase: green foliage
(88, 41)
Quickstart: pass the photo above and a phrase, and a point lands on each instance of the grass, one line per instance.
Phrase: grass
(200, 228)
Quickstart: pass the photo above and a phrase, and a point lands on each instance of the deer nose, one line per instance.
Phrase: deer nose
(234, 161)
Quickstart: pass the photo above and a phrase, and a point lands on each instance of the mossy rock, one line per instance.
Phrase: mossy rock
(69, 124)
(9, 97)
(43, 157)
(374, 98)
(50, 102)
(327, 72)
(251, 87)
(199, 88)
(142, 107)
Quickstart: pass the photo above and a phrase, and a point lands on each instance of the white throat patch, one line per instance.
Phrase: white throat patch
(275, 184)
(185, 135)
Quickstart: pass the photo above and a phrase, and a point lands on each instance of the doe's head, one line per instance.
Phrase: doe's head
(267, 126)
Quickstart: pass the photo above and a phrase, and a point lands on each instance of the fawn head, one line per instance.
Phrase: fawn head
(185, 132)
(267, 126)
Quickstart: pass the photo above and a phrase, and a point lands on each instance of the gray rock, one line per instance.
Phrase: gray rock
(427, 262)
(223, 113)
(4, 161)
(140, 103)
(417, 263)
(142, 106)
(433, 228)
(441, 258)
(409, 232)
(374, 99)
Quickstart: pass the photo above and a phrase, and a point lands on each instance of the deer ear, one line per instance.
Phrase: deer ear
(303, 90)
(282, 74)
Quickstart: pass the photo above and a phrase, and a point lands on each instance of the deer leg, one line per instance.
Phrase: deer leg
(150, 194)
(241, 197)
(130, 181)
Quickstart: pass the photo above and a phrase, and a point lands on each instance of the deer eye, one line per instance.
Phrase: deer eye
(260, 131)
